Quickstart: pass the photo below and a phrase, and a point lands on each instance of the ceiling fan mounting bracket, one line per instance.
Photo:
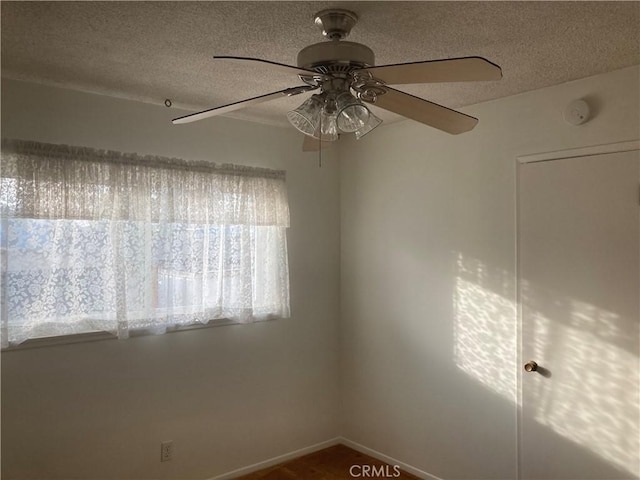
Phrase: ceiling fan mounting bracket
(335, 23)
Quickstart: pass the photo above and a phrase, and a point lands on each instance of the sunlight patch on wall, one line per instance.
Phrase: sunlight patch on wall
(592, 397)
(484, 331)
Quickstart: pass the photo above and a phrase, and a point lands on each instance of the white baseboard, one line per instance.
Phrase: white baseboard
(279, 459)
(319, 446)
(387, 459)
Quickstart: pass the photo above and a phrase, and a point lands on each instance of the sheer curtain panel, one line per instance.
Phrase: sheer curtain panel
(104, 241)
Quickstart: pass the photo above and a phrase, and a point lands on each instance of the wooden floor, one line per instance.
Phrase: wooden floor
(333, 463)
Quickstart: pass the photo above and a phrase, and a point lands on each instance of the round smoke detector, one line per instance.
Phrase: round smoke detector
(577, 112)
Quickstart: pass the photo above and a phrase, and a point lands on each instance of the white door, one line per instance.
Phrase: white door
(579, 290)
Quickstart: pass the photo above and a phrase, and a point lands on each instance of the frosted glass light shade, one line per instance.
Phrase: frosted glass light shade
(327, 129)
(352, 114)
(373, 122)
(305, 118)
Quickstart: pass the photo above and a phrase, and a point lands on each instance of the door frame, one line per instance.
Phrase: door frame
(617, 147)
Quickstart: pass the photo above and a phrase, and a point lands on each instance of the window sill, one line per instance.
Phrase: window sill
(60, 340)
(99, 336)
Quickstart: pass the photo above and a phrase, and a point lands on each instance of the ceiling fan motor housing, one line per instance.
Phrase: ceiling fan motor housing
(335, 57)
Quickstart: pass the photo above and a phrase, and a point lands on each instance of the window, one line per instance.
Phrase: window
(102, 241)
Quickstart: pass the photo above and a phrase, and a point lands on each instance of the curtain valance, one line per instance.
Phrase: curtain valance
(40, 180)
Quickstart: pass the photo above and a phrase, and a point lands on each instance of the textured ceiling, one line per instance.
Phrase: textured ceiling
(151, 51)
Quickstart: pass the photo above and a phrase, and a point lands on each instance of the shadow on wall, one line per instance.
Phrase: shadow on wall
(589, 396)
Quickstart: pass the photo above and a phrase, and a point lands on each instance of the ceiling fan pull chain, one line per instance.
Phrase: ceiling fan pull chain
(320, 144)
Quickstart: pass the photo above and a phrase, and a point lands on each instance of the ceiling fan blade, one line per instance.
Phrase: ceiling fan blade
(279, 66)
(212, 112)
(311, 144)
(426, 112)
(466, 69)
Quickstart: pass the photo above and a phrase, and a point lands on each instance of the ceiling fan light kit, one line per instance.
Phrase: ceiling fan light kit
(306, 116)
(347, 78)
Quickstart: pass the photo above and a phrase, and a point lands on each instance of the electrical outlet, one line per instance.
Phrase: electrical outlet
(166, 451)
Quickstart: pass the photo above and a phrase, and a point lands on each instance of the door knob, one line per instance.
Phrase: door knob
(531, 366)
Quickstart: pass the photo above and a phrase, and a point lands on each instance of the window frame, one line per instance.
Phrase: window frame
(276, 217)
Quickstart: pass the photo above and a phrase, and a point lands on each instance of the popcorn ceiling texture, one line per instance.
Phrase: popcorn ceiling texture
(149, 51)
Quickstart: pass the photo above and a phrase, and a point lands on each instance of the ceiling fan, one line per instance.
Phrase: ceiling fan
(346, 76)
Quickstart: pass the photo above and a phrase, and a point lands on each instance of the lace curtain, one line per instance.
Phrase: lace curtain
(104, 241)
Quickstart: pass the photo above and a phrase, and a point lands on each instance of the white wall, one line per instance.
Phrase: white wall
(428, 332)
(227, 396)
(428, 335)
